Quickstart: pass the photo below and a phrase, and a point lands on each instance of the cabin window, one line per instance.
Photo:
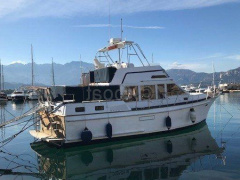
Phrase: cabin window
(161, 91)
(99, 108)
(148, 92)
(68, 97)
(173, 89)
(79, 109)
(130, 93)
(158, 76)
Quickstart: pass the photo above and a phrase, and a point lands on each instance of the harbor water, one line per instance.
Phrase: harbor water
(207, 151)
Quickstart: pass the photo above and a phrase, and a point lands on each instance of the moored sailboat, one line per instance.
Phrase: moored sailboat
(32, 95)
(3, 96)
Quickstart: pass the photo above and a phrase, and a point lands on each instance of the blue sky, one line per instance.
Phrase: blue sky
(180, 33)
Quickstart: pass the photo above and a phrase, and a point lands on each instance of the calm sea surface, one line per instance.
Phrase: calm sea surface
(210, 150)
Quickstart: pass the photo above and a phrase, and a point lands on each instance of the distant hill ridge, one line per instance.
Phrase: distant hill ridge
(18, 74)
(186, 76)
(65, 74)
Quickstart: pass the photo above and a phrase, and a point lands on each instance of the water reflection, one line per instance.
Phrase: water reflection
(158, 157)
(17, 106)
(2, 118)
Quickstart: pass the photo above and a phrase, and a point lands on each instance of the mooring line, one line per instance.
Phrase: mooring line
(27, 113)
(9, 112)
(20, 122)
(226, 110)
(15, 135)
(18, 157)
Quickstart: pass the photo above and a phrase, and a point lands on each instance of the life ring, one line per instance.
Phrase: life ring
(147, 93)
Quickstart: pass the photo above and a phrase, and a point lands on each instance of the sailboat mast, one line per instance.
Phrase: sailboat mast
(53, 78)
(121, 29)
(2, 79)
(32, 63)
(213, 74)
(81, 70)
(0, 75)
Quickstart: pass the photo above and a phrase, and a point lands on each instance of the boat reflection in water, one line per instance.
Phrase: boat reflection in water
(155, 157)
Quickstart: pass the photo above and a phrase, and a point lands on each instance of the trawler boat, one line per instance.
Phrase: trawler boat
(118, 100)
(154, 157)
(18, 95)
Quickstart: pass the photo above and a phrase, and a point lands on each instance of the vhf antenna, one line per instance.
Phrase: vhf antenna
(109, 20)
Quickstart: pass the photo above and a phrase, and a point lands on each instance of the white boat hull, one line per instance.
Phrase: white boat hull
(18, 98)
(130, 123)
(135, 122)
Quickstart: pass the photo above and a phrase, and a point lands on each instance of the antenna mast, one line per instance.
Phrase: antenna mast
(32, 63)
(109, 20)
(119, 50)
(53, 78)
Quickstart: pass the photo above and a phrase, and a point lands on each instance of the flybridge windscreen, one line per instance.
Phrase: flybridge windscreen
(86, 93)
(104, 75)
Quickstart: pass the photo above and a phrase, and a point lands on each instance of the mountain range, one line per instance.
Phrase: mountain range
(18, 74)
(186, 76)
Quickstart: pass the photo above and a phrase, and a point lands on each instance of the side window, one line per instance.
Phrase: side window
(158, 76)
(79, 109)
(161, 91)
(173, 89)
(99, 108)
(148, 92)
(130, 93)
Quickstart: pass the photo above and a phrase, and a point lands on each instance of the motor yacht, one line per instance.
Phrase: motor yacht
(118, 100)
(18, 95)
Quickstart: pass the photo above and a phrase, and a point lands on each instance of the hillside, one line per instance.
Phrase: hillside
(69, 74)
(185, 76)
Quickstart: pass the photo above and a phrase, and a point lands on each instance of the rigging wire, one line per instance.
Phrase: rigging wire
(25, 127)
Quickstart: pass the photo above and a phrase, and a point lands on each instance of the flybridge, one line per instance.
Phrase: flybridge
(132, 49)
(116, 43)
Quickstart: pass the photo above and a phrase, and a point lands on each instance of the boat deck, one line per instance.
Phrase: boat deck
(44, 136)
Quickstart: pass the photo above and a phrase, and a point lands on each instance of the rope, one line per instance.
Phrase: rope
(15, 135)
(20, 122)
(27, 113)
